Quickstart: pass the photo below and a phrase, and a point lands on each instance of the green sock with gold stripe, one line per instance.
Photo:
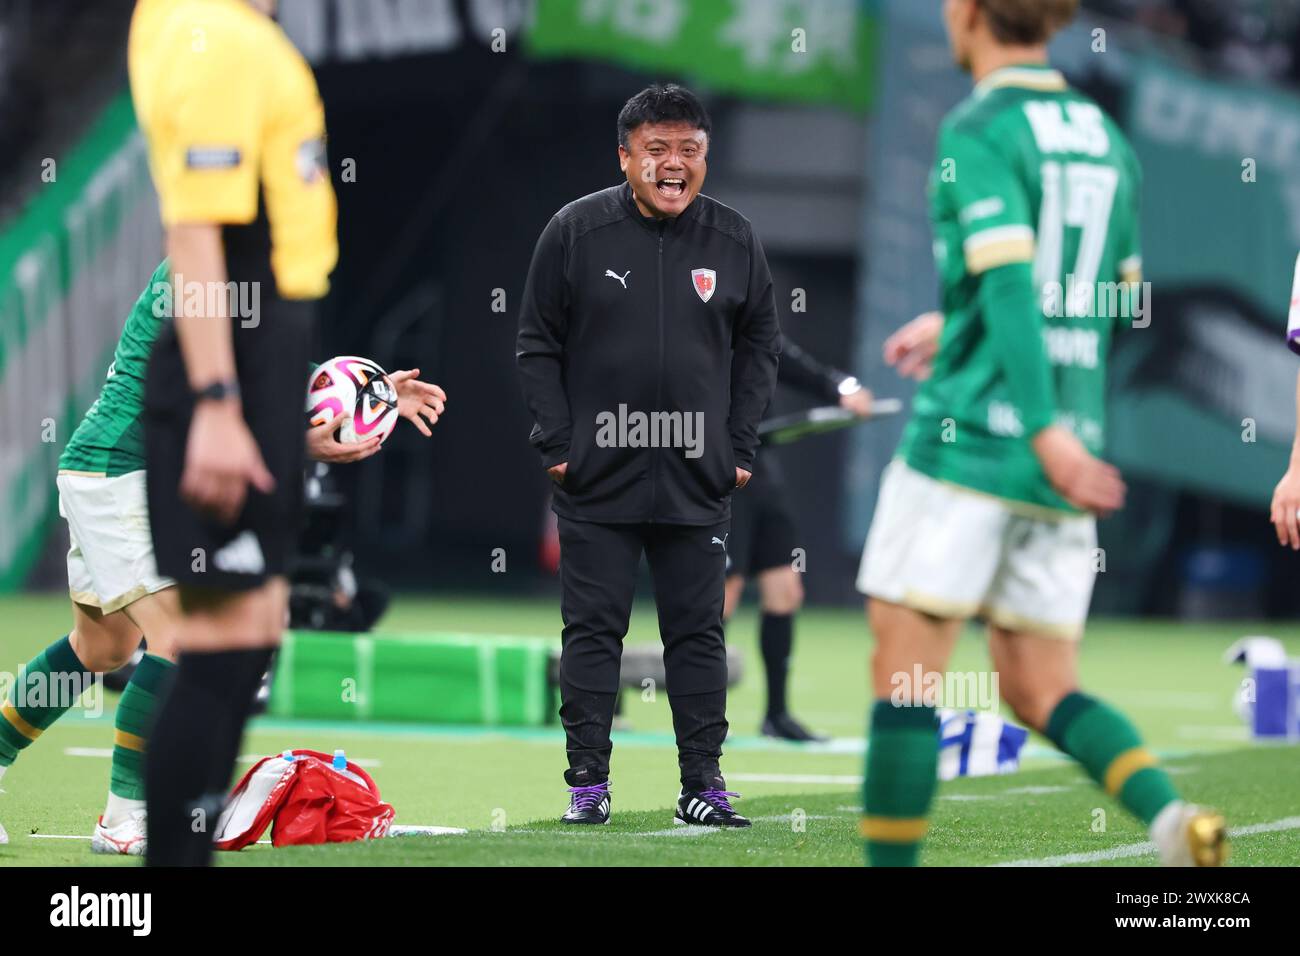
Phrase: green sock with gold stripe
(1109, 748)
(49, 684)
(902, 766)
(132, 724)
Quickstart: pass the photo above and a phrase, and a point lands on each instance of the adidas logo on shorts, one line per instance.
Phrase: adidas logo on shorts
(243, 555)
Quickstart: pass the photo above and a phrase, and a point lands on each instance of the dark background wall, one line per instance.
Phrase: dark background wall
(460, 160)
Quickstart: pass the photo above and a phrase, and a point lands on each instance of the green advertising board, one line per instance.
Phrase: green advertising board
(1204, 398)
(1220, 200)
(814, 51)
(72, 260)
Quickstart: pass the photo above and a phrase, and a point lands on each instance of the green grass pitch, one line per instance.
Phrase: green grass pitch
(505, 787)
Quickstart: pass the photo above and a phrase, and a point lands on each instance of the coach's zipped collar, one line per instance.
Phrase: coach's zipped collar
(1029, 76)
(652, 224)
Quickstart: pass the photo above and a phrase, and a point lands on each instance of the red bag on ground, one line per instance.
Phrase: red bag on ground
(305, 801)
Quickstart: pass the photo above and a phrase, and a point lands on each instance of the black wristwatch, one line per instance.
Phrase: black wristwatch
(217, 392)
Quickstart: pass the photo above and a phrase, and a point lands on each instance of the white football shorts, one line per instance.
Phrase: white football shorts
(111, 561)
(953, 552)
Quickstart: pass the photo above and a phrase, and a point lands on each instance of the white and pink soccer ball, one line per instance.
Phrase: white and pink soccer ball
(349, 384)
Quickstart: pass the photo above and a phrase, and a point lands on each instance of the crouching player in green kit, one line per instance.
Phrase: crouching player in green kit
(113, 581)
(988, 508)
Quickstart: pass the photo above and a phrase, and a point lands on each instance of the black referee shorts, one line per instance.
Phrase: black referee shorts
(763, 533)
(272, 363)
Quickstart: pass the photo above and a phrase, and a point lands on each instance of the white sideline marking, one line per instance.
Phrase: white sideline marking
(1216, 732)
(243, 758)
(57, 836)
(853, 780)
(359, 761)
(795, 778)
(681, 831)
(395, 831)
(836, 745)
(964, 797)
(401, 831)
(70, 836)
(1147, 847)
(1175, 700)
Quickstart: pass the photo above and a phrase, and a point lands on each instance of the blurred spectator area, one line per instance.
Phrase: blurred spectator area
(1255, 39)
(60, 61)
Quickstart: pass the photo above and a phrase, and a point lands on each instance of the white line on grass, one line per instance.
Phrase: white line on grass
(1214, 732)
(795, 778)
(405, 831)
(359, 761)
(394, 831)
(107, 752)
(1146, 848)
(854, 780)
(58, 836)
(1172, 700)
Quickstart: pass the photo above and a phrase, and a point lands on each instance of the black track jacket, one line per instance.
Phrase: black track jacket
(647, 352)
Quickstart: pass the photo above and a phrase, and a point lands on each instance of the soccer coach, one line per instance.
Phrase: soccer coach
(647, 351)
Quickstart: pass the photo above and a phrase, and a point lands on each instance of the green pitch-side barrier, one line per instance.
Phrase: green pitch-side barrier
(429, 678)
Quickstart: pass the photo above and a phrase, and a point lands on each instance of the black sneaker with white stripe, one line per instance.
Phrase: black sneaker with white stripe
(588, 804)
(708, 808)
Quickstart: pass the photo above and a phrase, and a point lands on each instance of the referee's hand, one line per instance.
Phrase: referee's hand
(742, 478)
(221, 461)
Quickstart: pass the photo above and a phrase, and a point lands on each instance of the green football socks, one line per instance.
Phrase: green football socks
(135, 713)
(902, 767)
(1109, 748)
(47, 686)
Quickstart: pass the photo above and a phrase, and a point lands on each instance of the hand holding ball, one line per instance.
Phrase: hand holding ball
(351, 385)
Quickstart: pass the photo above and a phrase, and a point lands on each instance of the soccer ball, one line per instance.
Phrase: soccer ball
(349, 384)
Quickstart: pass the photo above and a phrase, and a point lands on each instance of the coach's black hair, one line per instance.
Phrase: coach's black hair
(662, 103)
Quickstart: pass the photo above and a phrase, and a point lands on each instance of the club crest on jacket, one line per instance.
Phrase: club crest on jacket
(704, 280)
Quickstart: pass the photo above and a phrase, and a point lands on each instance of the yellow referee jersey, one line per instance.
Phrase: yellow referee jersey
(235, 130)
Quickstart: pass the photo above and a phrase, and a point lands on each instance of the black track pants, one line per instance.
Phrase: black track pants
(598, 573)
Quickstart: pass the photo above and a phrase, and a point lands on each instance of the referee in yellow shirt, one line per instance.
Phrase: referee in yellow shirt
(235, 131)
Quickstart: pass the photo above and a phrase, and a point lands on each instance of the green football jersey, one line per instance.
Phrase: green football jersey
(110, 439)
(1032, 178)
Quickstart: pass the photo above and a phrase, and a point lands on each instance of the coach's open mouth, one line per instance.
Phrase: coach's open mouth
(671, 188)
